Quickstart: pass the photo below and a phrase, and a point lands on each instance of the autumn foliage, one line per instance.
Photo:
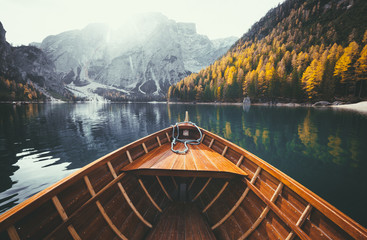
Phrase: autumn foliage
(289, 55)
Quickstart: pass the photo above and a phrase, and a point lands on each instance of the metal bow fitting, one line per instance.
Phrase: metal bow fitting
(185, 142)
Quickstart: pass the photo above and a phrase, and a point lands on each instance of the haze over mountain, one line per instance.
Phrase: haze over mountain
(138, 60)
(141, 59)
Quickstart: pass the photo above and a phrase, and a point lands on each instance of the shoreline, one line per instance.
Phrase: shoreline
(358, 107)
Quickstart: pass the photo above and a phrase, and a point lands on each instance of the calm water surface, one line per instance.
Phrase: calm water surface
(323, 149)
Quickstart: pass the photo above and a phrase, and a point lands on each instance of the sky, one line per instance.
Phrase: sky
(29, 21)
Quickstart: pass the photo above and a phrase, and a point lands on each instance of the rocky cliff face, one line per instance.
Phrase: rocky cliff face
(27, 64)
(141, 58)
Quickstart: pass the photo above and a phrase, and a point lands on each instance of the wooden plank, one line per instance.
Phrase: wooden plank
(301, 220)
(192, 183)
(168, 138)
(278, 212)
(239, 201)
(109, 222)
(149, 196)
(128, 200)
(73, 233)
(216, 197)
(89, 186)
(174, 182)
(224, 150)
(202, 139)
(12, 232)
(263, 214)
(240, 161)
(26, 207)
(129, 156)
(255, 175)
(145, 148)
(111, 169)
(199, 159)
(256, 223)
(60, 209)
(202, 189)
(159, 141)
(211, 143)
(164, 189)
(343, 221)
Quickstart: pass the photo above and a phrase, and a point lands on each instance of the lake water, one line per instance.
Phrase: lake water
(323, 149)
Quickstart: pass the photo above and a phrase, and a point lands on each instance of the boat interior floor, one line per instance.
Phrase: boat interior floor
(181, 220)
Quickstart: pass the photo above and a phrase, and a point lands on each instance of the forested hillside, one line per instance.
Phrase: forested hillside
(300, 51)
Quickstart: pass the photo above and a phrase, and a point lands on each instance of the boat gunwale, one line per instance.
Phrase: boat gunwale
(20, 210)
(351, 227)
(335, 215)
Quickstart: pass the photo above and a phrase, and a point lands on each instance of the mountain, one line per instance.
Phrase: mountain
(140, 59)
(299, 51)
(26, 73)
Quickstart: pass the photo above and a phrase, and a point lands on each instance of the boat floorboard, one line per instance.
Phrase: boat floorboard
(199, 161)
(181, 221)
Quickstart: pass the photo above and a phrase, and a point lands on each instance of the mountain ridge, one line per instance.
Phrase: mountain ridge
(141, 58)
(299, 51)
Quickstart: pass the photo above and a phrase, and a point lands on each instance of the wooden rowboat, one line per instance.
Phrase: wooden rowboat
(216, 190)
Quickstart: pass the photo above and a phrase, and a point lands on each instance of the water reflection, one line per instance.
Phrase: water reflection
(324, 150)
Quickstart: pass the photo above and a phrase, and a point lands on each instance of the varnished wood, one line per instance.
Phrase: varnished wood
(168, 138)
(89, 186)
(202, 139)
(239, 161)
(159, 141)
(301, 234)
(192, 183)
(127, 198)
(339, 218)
(59, 208)
(263, 214)
(256, 223)
(216, 196)
(199, 159)
(202, 189)
(109, 221)
(174, 182)
(90, 201)
(239, 201)
(177, 166)
(164, 189)
(181, 221)
(211, 143)
(129, 156)
(12, 232)
(32, 203)
(300, 221)
(224, 150)
(73, 233)
(103, 212)
(145, 148)
(148, 195)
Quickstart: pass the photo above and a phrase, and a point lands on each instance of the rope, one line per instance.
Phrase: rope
(185, 142)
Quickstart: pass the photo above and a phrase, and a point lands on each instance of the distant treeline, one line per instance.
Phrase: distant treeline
(298, 52)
